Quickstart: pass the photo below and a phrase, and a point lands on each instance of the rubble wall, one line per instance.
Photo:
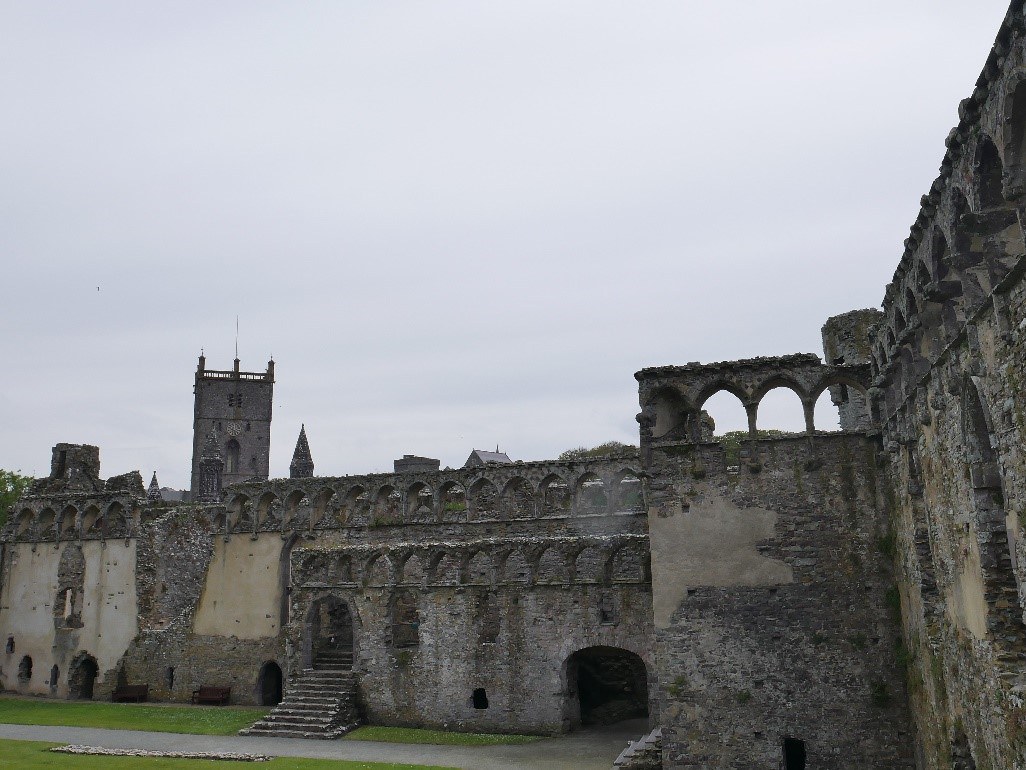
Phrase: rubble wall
(775, 605)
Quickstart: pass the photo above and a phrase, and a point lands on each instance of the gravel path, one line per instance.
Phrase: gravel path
(593, 749)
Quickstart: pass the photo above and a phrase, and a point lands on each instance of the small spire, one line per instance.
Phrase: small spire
(153, 493)
(302, 466)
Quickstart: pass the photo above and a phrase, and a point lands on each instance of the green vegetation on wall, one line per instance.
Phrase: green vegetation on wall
(12, 485)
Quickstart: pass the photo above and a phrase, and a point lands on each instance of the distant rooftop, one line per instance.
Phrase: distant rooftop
(480, 457)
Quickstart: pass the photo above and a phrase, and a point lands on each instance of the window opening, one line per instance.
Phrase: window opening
(480, 698)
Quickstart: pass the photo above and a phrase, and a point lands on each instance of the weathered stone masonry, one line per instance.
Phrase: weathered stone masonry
(838, 600)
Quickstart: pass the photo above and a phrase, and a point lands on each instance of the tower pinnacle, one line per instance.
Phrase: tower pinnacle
(153, 493)
(302, 466)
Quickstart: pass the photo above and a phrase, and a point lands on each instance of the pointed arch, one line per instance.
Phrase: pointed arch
(269, 515)
(479, 569)
(987, 171)
(515, 568)
(555, 496)
(412, 572)
(378, 571)
(452, 499)
(483, 500)
(517, 499)
(66, 525)
(322, 516)
(590, 496)
(420, 503)
(551, 566)
(995, 539)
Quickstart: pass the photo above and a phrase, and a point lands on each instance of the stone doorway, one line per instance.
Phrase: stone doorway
(604, 685)
(269, 684)
(329, 632)
(82, 677)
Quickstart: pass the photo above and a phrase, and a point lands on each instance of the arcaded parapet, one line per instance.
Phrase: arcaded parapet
(520, 491)
(774, 607)
(672, 397)
(948, 379)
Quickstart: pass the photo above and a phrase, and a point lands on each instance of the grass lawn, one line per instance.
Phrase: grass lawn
(30, 755)
(199, 720)
(417, 735)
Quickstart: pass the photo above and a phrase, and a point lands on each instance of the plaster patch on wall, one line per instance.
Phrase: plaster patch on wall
(714, 544)
(242, 593)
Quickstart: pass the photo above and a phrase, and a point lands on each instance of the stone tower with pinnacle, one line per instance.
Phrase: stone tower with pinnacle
(302, 466)
(235, 408)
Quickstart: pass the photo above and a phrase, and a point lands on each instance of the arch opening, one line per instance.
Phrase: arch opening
(269, 684)
(329, 633)
(25, 670)
(826, 412)
(82, 677)
(605, 685)
(995, 539)
(780, 413)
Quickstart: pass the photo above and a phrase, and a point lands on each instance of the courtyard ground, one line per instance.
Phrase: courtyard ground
(588, 749)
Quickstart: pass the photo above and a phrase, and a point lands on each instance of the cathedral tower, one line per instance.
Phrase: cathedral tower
(235, 407)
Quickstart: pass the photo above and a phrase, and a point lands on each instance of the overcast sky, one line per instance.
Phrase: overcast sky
(453, 224)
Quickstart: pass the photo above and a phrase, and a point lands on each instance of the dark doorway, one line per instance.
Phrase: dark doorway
(270, 684)
(82, 677)
(329, 637)
(55, 674)
(605, 685)
(794, 754)
(480, 698)
(25, 670)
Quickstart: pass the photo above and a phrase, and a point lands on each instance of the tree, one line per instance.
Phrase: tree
(12, 484)
(602, 450)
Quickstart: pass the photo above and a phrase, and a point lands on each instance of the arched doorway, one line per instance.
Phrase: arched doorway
(269, 684)
(605, 685)
(82, 677)
(329, 634)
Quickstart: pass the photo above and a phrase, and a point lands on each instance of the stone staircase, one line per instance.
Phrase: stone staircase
(321, 703)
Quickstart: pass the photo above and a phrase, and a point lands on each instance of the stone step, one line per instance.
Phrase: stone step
(309, 708)
(324, 691)
(290, 720)
(272, 732)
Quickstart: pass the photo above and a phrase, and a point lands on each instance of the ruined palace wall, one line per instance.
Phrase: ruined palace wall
(508, 569)
(775, 605)
(212, 585)
(502, 614)
(948, 364)
(51, 627)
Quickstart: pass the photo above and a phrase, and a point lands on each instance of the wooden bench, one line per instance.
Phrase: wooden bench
(131, 693)
(218, 696)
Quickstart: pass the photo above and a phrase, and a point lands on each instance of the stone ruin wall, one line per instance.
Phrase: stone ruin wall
(948, 366)
(773, 595)
(541, 559)
(510, 568)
